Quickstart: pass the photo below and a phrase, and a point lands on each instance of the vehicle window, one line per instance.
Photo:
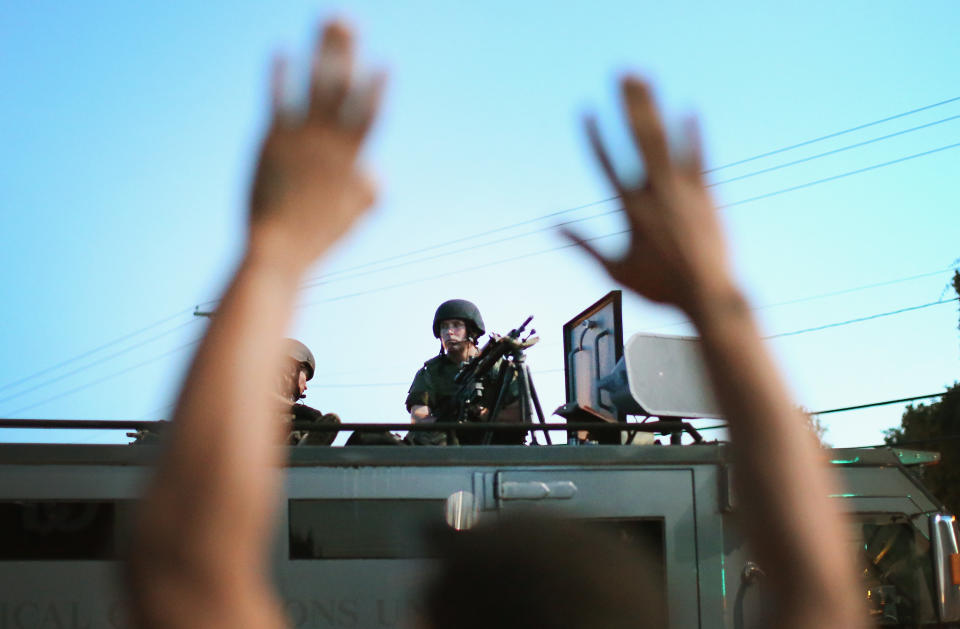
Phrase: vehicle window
(59, 530)
(897, 570)
(645, 535)
(362, 529)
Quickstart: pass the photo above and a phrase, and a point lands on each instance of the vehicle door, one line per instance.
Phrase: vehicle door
(354, 548)
(652, 507)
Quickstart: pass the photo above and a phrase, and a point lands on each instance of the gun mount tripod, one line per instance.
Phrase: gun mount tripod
(510, 352)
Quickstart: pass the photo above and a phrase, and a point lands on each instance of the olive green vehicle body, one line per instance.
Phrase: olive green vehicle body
(351, 545)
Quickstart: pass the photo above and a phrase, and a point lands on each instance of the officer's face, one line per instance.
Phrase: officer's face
(294, 381)
(452, 332)
(302, 381)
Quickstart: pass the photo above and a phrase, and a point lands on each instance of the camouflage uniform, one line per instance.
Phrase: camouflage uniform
(434, 386)
(304, 413)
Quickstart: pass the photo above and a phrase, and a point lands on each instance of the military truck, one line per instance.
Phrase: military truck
(356, 525)
(353, 530)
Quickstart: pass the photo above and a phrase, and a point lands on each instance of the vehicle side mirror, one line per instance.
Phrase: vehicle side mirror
(944, 534)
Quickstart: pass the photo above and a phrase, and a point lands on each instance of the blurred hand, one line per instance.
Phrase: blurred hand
(421, 414)
(308, 189)
(676, 253)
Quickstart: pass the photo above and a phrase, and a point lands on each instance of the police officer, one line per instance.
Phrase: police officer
(458, 325)
(293, 386)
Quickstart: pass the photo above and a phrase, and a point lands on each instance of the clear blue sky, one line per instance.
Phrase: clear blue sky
(127, 134)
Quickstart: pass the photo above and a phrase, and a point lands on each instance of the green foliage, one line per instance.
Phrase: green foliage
(935, 427)
(815, 425)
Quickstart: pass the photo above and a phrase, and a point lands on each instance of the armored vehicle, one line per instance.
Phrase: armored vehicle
(354, 527)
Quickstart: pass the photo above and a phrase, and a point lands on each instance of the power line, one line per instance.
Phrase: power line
(551, 250)
(105, 378)
(845, 409)
(832, 152)
(766, 195)
(320, 279)
(855, 289)
(861, 319)
(447, 243)
(808, 184)
(99, 361)
(832, 135)
(457, 251)
(849, 173)
(755, 308)
(714, 169)
(47, 370)
(457, 272)
(873, 404)
(799, 300)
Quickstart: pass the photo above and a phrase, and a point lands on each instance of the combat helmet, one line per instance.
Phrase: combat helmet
(301, 354)
(461, 309)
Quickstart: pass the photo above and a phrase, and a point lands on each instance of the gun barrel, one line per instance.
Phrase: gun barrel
(493, 351)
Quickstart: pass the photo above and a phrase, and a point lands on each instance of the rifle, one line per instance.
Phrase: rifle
(470, 377)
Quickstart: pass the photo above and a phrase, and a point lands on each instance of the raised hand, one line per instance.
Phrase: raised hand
(197, 557)
(309, 189)
(676, 253)
(677, 256)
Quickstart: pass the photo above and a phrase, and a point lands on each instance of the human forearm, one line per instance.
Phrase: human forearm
(677, 256)
(224, 436)
(226, 408)
(781, 475)
(202, 531)
(225, 430)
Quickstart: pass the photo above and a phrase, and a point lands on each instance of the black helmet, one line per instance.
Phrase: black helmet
(461, 309)
(301, 354)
